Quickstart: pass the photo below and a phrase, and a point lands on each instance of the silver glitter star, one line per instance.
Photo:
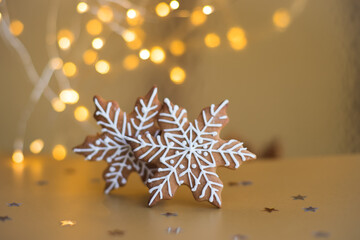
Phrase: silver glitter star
(321, 234)
(270, 210)
(241, 183)
(116, 232)
(14, 204)
(239, 237)
(169, 214)
(299, 197)
(174, 230)
(42, 182)
(4, 218)
(310, 209)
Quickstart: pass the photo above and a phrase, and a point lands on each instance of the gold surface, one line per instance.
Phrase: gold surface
(74, 192)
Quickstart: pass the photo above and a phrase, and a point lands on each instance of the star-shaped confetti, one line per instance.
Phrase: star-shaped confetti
(42, 182)
(112, 144)
(310, 209)
(174, 230)
(189, 152)
(14, 204)
(65, 223)
(321, 234)
(169, 214)
(299, 197)
(116, 232)
(270, 210)
(239, 237)
(241, 183)
(5, 218)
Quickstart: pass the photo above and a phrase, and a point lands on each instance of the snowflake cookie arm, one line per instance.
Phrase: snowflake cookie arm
(101, 147)
(209, 187)
(143, 118)
(111, 119)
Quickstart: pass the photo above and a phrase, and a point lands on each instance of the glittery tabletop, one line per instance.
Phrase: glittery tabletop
(304, 198)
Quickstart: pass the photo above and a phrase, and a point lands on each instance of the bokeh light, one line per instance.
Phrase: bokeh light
(65, 33)
(197, 17)
(105, 14)
(177, 47)
(144, 54)
(207, 9)
(18, 156)
(102, 66)
(162, 9)
(59, 152)
(16, 27)
(81, 113)
(58, 105)
(131, 62)
(90, 56)
(56, 63)
(157, 55)
(69, 96)
(94, 27)
(36, 146)
(97, 43)
(64, 43)
(212, 40)
(174, 4)
(281, 19)
(237, 38)
(69, 69)
(82, 7)
(131, 13)
(129, 35)
(177, 75)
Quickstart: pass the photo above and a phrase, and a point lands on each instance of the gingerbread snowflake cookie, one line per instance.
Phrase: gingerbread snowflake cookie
(112, 144)
(189, 152)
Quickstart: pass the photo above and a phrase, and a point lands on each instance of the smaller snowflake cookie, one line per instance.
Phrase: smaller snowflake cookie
(188, 153)
(112, 144)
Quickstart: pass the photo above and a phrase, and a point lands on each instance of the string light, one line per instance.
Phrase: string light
(129, 36)
(56, 63)
(177, 75)
(162, 9)
(197, 17)
(59, 152)
(105, 14)
(177, 47)
(102, 66)
(36, 146)
(131, 13)
(174, 5)
(94, 27)
(58, 105)
(131, 62)
(237, 38)
(81, 113)
(18, 156)
(69, 69)
(82, 7)
(207, 9)
(212, 40)
(157, 55)
(97, 43)
(144, 54)
(90, 56)
(69, 96)
(16, 27)
(281, 19)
